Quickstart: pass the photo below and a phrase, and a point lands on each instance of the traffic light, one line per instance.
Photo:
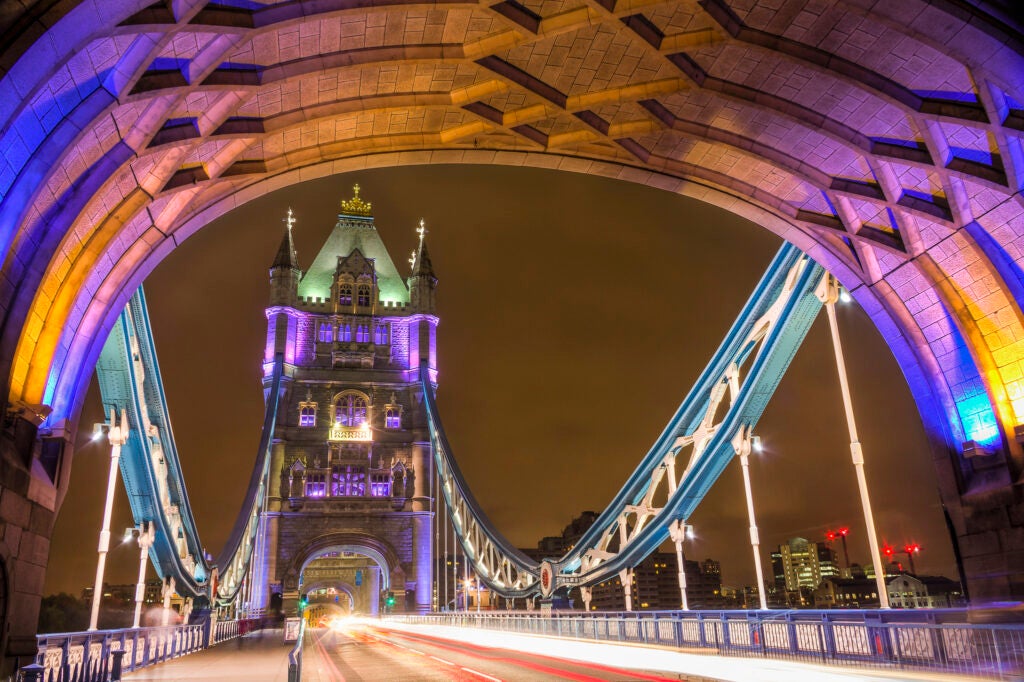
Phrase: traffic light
(390, 600)
(303, 602)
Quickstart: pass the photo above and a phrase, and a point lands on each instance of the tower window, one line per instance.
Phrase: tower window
(362, 334)
(348, 481)
(345, 294)
(326, 334)
(380, 334)
(393, 418)
(344, 333)
(307, 414)
(350, 410)
(316, 485)
(380, 485)
(363, 293)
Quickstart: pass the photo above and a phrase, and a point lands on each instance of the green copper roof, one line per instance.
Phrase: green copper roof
(353, 232)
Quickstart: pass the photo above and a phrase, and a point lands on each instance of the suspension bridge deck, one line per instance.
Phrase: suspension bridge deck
(377, 650)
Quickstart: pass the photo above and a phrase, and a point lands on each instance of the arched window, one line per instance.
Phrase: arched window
(307, 414)
(344, 333)
(316, 485)
(363, 296)
(345, 294)
(362, 334)
(393, 418)
(326, 334)
(380, 334)
(350, 410)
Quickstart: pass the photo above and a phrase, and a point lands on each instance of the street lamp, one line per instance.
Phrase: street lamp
(145, 533)
(117, 434)
(742, 444)
(828, 292)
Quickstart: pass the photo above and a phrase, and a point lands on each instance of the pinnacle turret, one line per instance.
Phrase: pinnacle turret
(422, 281)
(284, 271)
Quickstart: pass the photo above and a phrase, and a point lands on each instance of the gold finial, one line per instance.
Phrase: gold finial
(356, 205)
(412, 261)
(290, 220)
(422, 230)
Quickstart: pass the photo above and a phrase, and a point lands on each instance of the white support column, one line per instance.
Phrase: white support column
(742, 445)
(167, 592)
(117, 435)
(587, 594)
(828, 293)
(677, 531)
(146, 537)
(626, 576)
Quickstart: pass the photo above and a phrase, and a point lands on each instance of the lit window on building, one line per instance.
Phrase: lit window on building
(350, 410)
(348, 481)
(380, 485)
(393, 418)
(380, 334)
(307, 414)
(316, 485)
(363, 296)
(345, 294)
(344, 333)
(326, 334)
(362, 334)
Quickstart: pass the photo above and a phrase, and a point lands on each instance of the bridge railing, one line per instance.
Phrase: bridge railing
(938, 640)
(98, 656)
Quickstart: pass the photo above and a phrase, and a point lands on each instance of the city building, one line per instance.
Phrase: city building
(908, 591)
(846, 593)
(803, 564)
(350, 485)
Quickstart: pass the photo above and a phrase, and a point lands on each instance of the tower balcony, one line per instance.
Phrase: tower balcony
(350, 434)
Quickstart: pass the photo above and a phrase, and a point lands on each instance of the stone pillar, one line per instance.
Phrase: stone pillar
(422, 527)
(372, 586)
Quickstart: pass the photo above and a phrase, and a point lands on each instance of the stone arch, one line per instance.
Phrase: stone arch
(132, 126)
(348, 589)
(379, 551)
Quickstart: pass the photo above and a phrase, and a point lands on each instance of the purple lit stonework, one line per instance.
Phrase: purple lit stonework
(351, 462)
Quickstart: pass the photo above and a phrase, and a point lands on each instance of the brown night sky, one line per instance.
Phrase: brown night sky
(575, 314)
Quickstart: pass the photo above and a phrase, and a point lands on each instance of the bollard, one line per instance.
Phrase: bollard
(115, 668)
(32, 673)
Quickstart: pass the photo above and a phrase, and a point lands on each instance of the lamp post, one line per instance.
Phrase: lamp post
(117, 435)
(145, 533)
(742, 444)
(828, 293)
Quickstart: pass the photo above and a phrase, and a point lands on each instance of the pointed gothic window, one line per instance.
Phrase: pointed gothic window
(307, 415)
(326, 334)
(362, 334)
(350, 410)
(380, 485)
(344, 333)
(363, 300)
(393, 417)
(380, 334)
(345, 294)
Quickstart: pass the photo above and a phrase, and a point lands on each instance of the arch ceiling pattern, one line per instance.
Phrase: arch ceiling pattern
(883, 138)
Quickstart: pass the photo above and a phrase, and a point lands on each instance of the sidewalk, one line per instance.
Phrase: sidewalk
(258, 657)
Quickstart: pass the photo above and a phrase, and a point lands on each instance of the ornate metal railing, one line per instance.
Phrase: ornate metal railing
(935, 640)
(100, 655)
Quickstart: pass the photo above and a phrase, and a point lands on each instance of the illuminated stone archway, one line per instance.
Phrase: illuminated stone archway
(885, 141)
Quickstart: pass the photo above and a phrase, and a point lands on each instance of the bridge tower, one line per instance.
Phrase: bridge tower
(349, 498)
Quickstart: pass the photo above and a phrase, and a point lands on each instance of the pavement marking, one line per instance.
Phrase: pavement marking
(441, 660)
(480, 674)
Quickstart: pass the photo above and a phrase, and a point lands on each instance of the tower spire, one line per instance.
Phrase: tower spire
(285, 257)
(422, 281)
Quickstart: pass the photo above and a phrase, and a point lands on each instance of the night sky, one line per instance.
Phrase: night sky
(576, 312)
